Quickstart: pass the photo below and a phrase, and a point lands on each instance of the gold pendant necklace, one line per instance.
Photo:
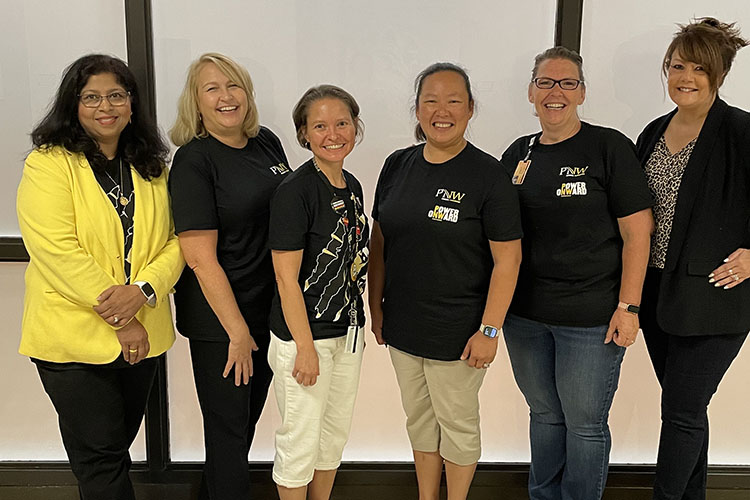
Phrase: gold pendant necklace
(123, 201)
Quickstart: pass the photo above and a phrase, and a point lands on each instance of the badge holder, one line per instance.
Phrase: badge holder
(352, 333)
(523, 165)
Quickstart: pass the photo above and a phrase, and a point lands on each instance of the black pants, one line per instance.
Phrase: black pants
(230, 414)
(100, 409)
(689, 369)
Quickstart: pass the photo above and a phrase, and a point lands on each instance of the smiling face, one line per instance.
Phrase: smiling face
(688, 84)
(104, 123)
(444, 109)
(557, 108)
(330, 130)
(222, 103)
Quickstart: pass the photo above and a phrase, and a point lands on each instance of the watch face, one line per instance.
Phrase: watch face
(634, 309)
(147, 290)
(490, 331)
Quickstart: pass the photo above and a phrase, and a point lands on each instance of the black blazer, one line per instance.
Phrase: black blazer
(712, 220)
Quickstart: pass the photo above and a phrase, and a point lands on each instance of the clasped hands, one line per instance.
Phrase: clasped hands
(118, 304)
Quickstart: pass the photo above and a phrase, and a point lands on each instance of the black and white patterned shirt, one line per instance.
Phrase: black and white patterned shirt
(664, 172)
(117, 182)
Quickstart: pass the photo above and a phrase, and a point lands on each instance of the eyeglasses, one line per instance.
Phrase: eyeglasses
(565, 83)
(94, 100)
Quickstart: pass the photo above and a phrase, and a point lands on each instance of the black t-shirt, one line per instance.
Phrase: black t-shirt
(302, 218)
(437, 220)
(215, 186)
(571, 198)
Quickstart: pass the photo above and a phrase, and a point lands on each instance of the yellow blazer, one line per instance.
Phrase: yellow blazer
(75, 241)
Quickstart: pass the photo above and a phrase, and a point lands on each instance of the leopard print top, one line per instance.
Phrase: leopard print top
(664, 173)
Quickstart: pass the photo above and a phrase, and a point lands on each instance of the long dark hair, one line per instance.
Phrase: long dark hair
(140, 143)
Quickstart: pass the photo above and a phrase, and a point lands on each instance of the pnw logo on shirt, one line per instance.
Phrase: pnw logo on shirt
(279, 169)
(573, 171)
(443, 214)
(450, 196)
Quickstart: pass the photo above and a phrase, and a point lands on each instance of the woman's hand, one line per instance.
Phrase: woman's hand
(306, 368)
(240, 356)
(480, 350)
(119, 303)
(623, 328)
(133, 339)
(735, 270)
(376, 322)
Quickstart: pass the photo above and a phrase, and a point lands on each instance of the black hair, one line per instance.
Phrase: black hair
(140, 143)
(431, 70)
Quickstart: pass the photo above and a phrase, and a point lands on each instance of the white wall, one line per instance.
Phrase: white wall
(374, 50)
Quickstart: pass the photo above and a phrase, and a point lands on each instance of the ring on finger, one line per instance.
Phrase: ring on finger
(731, 271)
(132, 350)
(486, 365)
(736, 277)
(116, 320)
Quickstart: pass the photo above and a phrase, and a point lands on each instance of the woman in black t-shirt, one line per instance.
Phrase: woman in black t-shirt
(444, 261)
(221, 183)
(318, 240)
(587, 221)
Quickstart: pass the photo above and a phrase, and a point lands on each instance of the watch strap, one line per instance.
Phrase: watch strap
(631, 308)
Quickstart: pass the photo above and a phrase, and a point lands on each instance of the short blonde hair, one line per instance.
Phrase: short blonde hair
(188, 124)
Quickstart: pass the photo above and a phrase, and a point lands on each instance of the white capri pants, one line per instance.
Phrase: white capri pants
(315, 420)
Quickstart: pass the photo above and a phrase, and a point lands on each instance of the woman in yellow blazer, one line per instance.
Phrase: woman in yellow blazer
(94, 215)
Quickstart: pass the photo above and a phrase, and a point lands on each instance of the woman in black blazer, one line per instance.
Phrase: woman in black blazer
(695, 313)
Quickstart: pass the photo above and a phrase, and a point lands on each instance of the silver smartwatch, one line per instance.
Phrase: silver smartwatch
(489, 331)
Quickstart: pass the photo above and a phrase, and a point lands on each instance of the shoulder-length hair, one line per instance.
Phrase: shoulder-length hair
(189, 125)
(140, 143)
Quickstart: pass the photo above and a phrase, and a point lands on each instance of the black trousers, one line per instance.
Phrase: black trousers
(230, 414)
(100, 409)
(689, 369)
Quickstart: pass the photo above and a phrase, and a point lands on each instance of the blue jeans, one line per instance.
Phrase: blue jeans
(568, 376)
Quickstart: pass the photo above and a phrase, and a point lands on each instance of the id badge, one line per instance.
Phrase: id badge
(520, 174)
(352, 339)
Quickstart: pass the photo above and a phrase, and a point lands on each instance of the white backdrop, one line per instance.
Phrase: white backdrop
(374, 50)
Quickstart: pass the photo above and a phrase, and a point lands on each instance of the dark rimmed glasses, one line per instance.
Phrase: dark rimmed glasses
(94, 100)
(565, 84)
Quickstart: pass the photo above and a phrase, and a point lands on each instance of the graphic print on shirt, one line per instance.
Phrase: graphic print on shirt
(568, 189)
(279, 169)
(449, 195)
(331, 263)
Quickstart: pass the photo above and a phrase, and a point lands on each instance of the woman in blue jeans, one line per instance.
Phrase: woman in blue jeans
(585, 211)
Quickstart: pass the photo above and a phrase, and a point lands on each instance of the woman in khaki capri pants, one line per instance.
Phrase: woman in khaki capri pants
(445, 253)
